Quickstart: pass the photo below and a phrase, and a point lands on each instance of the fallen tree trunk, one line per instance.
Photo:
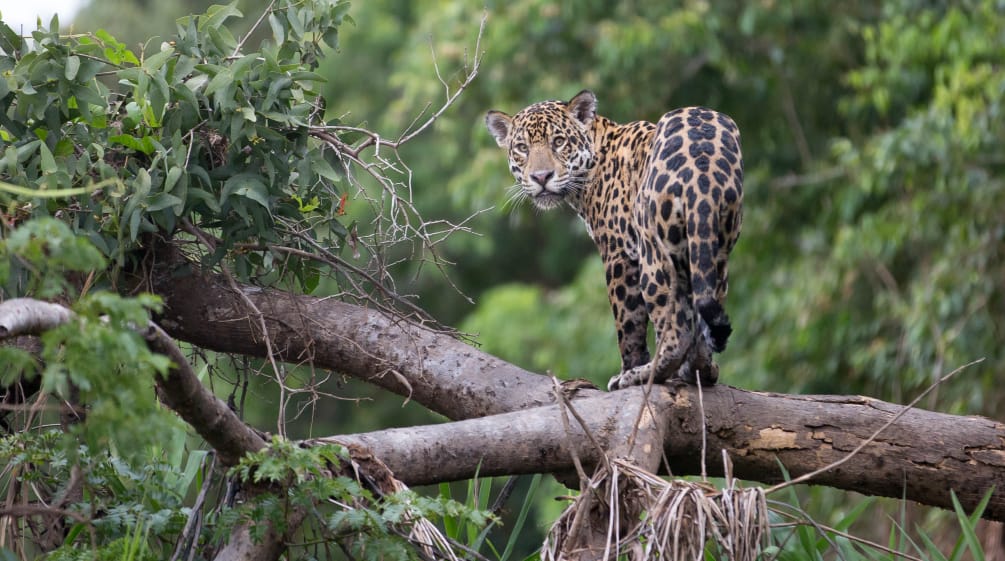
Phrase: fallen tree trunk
(923, 456)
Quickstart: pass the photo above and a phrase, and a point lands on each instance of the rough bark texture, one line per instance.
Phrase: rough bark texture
(924, 455)
(441, 372)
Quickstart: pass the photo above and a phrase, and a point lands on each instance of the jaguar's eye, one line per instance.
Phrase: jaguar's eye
(520, 147)
(558, 142)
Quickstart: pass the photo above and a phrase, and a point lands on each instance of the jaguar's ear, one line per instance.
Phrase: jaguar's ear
(584, 107)
(498, 124)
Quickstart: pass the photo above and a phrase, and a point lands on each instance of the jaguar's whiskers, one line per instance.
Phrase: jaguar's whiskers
(515, 197)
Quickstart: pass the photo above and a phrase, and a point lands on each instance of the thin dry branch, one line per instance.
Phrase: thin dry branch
(396, 220)
(256, 315)
(804, 519)
(374, 140)
(24, 511)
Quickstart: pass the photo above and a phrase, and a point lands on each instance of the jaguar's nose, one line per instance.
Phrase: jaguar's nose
(542, 177)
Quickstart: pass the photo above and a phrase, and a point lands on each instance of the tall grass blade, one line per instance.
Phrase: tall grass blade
(521, 518)
(967, 523)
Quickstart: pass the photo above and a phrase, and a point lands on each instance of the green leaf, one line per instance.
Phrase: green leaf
(241, 66)
(277, 84)
(172, 178)
(153, 63)
(278, 31)
(208, 199)
(854, 514)
(71, 68)
(521, 518)
(223, 78)
(161, 201)
(968, 523)
(10, 40)
(217, 14)
(145, 144)
(134, 224)
(320, 166)
(17, 363)
(142, 182)
(249, 186)
(26, 150)
(47, 162)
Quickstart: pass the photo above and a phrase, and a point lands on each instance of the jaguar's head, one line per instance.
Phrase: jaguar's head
(550, 147)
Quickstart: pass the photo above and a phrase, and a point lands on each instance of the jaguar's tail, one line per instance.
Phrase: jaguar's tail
(712, 321)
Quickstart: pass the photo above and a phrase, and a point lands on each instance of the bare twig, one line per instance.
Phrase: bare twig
(791, 180)
(803, 519)
(41, 510)
(211, 244)
(261, 18)
(704, 432)
(563, 407)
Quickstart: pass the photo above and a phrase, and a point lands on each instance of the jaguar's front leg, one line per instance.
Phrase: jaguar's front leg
(670, 362)
(665, 289)
(630, 317)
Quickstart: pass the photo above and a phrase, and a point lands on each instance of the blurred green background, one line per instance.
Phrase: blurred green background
(871, 258)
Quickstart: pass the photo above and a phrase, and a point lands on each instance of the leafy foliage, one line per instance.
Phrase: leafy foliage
(372, 522)
(37, 257)
(116, 387)
(902, 245)
(195, 131)
(114, 497)
(576, 318)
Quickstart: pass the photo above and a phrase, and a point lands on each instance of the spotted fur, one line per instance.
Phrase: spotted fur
(662, 202)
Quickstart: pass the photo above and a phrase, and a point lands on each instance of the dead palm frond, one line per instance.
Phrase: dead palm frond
(627, 511)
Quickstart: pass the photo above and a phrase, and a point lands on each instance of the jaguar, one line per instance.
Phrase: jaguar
(663, 204)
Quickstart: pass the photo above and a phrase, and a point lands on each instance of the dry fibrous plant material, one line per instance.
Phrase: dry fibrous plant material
(643, 516)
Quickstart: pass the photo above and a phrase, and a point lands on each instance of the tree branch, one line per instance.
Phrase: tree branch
(923, 455)
(440, 372)
(182, 391)
(26, 316)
